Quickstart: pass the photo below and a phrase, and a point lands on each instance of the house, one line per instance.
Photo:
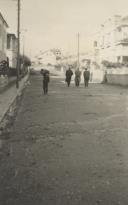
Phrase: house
(12, 50)
(3, 38)
(49, 57)
(112, 41)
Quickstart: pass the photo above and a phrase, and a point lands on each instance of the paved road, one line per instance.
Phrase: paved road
(67, 148)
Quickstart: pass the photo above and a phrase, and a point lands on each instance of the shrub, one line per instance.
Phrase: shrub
(109, 64)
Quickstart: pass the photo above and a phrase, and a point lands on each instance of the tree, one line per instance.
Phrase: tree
(25, 60)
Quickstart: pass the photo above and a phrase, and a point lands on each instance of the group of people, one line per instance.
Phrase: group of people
(69, 74)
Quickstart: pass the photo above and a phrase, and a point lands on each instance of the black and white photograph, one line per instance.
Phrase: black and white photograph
(63, 102)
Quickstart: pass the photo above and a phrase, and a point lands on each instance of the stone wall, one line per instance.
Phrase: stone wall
(117, 79)
(118, 76)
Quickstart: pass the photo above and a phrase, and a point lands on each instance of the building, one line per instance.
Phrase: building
(3, 38)
(12, 50)
(112, 40)
(49, 57)
(84, 58)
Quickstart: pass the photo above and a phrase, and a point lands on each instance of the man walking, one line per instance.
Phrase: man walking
(77, 77)
(69, 74)
(86, 77)
(46, 79)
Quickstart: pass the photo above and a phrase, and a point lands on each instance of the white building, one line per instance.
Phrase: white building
(3, 37)
(49, 57)
(112, 40)
(12, 50)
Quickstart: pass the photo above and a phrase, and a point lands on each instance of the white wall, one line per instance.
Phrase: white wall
(3, 40)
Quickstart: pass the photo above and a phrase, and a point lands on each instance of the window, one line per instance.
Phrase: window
(95, 44)
(118, 59)
(125, 59)
(0, 30)
(119, 29)
(8, 42)
(125, 33)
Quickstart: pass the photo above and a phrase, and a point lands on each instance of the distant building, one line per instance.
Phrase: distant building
(12, 50)
(84, 58)
(112, 40)
(3, 38)
(49, 57)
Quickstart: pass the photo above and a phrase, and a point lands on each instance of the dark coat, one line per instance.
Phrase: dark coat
(86, 75)
(46, 78)
(45, 74)
(69, 74)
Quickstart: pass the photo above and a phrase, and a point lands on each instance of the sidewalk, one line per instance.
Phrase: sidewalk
(9, 95)
(6, 82)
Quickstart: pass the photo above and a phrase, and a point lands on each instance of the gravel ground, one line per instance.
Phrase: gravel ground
(67, 148)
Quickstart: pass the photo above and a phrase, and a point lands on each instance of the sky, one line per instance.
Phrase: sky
(47, 24)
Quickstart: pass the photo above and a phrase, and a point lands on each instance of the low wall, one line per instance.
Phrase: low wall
(8, 97)
(117, 79)
(118, 76)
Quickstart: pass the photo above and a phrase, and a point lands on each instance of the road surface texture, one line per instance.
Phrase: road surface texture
(69, 147)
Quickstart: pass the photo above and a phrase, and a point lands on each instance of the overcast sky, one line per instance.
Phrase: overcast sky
(55, 23)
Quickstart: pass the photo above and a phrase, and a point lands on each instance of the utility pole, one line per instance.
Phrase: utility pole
(18, 43)
(25, 30)
(78, 54)
(23, 50)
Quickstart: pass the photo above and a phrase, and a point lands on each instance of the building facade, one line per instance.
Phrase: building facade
(112, 40)
(3, 38)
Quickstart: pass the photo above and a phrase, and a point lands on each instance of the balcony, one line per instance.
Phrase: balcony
(122, 42)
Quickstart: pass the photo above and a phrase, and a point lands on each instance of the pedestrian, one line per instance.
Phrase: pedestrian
(46, 79)
(86, 77)
(105, 77)
(69, 74)
(77, 77)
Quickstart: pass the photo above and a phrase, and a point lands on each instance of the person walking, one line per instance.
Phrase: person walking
(69, 74)
(77, 77)
(46, 79)
(86, 77)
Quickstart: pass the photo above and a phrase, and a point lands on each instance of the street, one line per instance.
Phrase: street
(69, 147)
